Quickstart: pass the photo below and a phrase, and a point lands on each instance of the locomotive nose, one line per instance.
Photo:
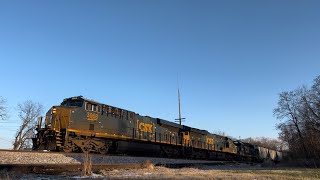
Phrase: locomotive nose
(49, 118)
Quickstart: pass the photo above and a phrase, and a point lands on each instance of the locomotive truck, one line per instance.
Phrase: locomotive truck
(83, 125)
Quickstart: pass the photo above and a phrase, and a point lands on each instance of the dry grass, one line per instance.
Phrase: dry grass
(87, 164)
(303, 163)
(228, 172)
(202, 174)
(149, 165)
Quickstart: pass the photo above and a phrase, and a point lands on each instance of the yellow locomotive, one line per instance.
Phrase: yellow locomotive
(79, 124)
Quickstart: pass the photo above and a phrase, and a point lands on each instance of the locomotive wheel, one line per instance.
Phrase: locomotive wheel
(103, 150)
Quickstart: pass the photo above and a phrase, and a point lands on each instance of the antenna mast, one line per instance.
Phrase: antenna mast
(179, 119)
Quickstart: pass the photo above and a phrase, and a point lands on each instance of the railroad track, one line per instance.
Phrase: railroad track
(29, 151)
(61, 162)
(55, 169)
(64, 153)
(38, 162)
(81, 154)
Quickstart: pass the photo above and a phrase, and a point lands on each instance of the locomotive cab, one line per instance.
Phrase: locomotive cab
(51, 135)
(58, 117)
(68, 127)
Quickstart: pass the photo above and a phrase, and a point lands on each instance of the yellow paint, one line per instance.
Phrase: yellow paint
(145, 127)
(97, 134)
(61, 118)
(106, 135)
(92, 116)
(210, 141)
(74, 130)
(186, 138)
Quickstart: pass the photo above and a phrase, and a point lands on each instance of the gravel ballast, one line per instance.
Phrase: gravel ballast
(7, 157)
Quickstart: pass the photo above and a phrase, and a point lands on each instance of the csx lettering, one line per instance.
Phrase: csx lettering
(144, 127)
(92, 116)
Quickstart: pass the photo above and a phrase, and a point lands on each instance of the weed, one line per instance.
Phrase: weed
(87, 164)
(149, 165)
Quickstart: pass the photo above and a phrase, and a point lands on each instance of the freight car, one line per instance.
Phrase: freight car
(250, 152)
(82, 125)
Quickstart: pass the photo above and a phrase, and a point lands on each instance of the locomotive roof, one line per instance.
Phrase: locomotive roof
(168, 123)
(81, 97)
(91, 101)
(199, 131)
(162, 121)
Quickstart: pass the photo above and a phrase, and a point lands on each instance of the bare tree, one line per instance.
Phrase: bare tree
(28, 112)
(290, 108)
(269, 143)
(3, 109)
(219, 132)
(299, 112)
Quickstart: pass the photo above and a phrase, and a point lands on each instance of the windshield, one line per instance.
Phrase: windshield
(72, 102)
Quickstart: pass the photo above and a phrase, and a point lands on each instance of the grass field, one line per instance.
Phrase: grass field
(207, 173)
(228, 172)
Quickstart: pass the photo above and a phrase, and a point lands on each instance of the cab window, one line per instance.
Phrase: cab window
(88, 106)
(72, 102)
(92, 107)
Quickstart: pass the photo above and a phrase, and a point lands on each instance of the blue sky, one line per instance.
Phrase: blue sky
(233, 58)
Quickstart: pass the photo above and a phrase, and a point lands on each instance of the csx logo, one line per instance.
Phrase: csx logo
(92, 116)
(210, 140)
(144, 127)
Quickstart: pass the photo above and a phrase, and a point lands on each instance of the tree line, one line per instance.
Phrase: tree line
(266, 142)
(299, 113)
(28, 112)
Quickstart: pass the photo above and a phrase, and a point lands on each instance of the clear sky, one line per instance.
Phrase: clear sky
(232, 57)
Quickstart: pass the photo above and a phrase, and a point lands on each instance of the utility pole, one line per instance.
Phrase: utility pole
(180, 119)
